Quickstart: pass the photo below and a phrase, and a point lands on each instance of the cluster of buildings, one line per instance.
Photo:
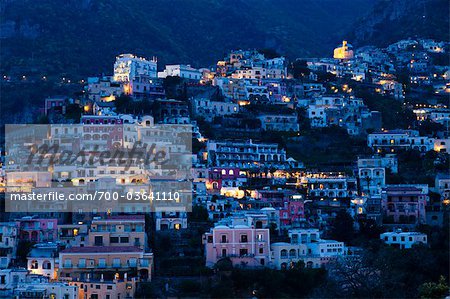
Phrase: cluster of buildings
(266, 208)
(103, 257)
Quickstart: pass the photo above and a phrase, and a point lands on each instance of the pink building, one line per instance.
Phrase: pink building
(292, 212)
(223, 177)
(105, 132)
(403, 205)
(245, 246)
(37, 230)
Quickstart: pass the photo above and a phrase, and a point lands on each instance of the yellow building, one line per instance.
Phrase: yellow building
(343, 52)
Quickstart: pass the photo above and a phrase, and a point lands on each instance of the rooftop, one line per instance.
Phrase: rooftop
(102, 249)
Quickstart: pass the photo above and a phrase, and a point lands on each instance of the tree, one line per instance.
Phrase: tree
(342, 227)
(299, 69)
(199, 213)
(269, 53)
(123, 104)
(434, 290)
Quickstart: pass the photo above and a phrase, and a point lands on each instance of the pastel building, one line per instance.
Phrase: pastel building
(403, 205)
(305, 246)
(244, 245)
(37, 230)
(118, 288)
(403, 240)
(123, 230)
(105, 262)
(43, 260)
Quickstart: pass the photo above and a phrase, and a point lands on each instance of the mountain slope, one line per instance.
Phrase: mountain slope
(83, 36)
(394, 20)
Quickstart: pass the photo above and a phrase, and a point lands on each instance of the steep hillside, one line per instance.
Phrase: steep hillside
(393, 20)
(83, 36)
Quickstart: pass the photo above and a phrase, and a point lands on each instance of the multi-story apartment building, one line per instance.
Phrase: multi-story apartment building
(242, 244)
(442, 185)
(117, 288)
(209, 109)
(391, 141)
(101, 132)
(245, 155)
(403, 205)
(182, 71)
(124, 230)
(105, 262)
(279, 122)
(305, 246)
(73, 234)
(143, 86)
(43, 260)
(403, 240)
(37, 230)
(372, 176)
(128, 66)
(171, 220)
(323, 185)
(103, 89)
(8, 243)
(10, 279)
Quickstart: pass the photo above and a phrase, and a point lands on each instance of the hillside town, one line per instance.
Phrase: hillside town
(307, 167)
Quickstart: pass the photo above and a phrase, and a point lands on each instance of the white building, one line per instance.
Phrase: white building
(45, 290)
(42, 260)
(279, 122)
(8, 243)
(390, 141)
(209, 109)
(182, 71)
(245, 154)
(306, 246)
(128, 66)
(173, 220)
(403, 240)
(10, 279)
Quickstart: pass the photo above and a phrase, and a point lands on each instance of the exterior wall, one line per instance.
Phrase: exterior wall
(210, 109)
(244, 155)
(403, 205)
(46, 266)
(403, 240)
(127, 67)
(38, 230)
(279, 122)
(129, 231)
(80, 263)
(105, 289)
(171, 220)
(242, 244)
(182, 71)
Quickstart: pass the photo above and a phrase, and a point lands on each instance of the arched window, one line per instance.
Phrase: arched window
(46, 265)
(292, 253)
(284, 253)
(34, 264)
